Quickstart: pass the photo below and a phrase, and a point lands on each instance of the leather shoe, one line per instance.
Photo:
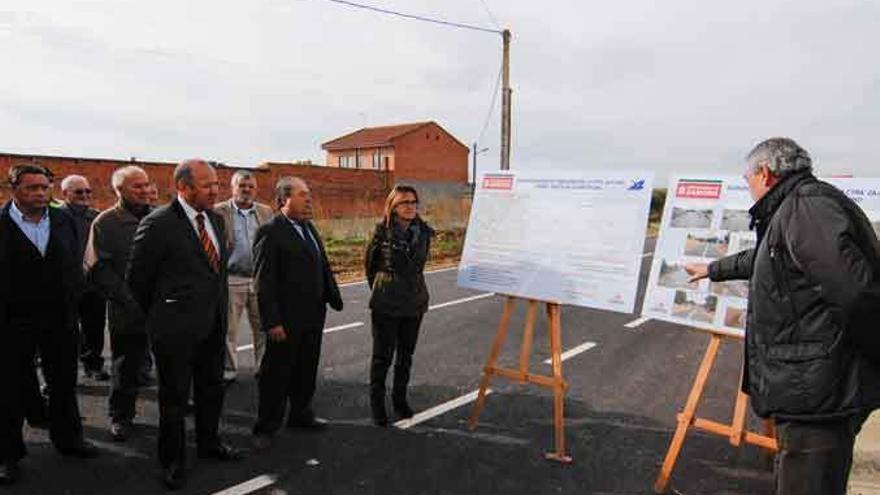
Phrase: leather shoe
(311, 423)
(119, 430)
(221, 452)
(173, 478)
(83, 450)
(8, 473)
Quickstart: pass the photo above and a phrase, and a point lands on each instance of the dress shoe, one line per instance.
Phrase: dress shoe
(173, 478)
(120, 430)
(8, 473)
(309, 423)
(402, 409)
(83, 450)
(221, 452)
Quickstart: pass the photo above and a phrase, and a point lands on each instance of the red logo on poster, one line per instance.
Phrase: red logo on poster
(698, 189)
(503, 182)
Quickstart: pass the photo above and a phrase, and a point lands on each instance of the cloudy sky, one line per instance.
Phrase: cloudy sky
(674, 85)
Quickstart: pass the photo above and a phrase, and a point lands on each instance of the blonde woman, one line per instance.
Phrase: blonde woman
(395, 262)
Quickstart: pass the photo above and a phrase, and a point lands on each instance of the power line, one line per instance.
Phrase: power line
(491, 105)
(489, 13)
(415, 17)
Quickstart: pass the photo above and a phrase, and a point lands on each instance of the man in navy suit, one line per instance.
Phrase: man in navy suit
(177, 274)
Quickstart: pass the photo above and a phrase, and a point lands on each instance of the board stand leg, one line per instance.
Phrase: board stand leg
(556, 382)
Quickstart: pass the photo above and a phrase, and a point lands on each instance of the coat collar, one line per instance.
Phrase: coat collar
(764, 209)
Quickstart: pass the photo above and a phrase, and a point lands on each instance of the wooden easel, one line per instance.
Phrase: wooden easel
(522, 375)
(735, 432)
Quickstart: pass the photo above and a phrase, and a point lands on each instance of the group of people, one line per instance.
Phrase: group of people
(175, 281)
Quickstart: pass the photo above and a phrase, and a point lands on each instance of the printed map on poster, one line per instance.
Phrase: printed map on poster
(569, 237)
(706, 218)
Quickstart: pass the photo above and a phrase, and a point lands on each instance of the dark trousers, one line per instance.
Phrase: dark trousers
(815, 458)
(92, 314)
(392, 336)
(287, 378)
(179, 363)
(129, 349)
(56, 343)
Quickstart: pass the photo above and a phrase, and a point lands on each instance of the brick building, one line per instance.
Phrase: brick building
(421, 153)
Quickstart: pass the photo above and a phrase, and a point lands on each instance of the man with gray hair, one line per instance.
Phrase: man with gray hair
(805, 365)
(106, 256)
(92, 310)
(243, 216)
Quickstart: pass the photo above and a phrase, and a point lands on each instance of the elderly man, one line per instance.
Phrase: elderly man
(242, 215)
(40, 283)
(106, 257)
(815, 259)
(294, 285)
(92, 309)
(177, 273)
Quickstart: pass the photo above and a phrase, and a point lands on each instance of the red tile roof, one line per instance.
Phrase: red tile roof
(371, 137)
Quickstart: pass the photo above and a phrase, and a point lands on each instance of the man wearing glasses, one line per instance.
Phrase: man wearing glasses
(92, 309)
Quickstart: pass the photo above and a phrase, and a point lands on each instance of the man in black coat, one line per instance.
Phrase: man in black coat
(40, 285)
(815, 260)
(294, 284)
(177, 274)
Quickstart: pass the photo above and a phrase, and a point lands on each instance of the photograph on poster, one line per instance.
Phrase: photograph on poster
(735, 317)
(732, 288)
(707, 245)
(674, 276)
(691, 218)
(694, 306)
(735, 220)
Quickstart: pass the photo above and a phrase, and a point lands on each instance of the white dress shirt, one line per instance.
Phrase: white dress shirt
(191, 214)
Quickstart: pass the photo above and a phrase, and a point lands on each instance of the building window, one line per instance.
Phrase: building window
(346, 161)
(377, 160)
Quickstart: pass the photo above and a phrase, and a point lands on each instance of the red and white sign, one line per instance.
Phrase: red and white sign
(498, 182)
(698, 189)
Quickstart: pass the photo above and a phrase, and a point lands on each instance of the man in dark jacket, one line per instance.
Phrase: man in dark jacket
(812, 263)
(92, 310)
(107, 250)
(294, 285)
(177, 274)
(40, 283)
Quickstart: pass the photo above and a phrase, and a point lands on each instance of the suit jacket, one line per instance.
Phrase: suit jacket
(172, 280)
(14, 286)
(226, 208)
(291, 283)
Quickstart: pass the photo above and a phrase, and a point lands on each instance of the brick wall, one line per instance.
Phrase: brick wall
(338, 193)
(431, 154)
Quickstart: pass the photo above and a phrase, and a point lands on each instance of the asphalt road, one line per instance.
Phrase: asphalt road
(626, 386)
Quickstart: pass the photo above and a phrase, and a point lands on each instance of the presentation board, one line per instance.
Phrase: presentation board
(706, 218)
(569, 237)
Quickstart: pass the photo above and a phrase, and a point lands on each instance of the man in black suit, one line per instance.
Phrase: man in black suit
(177, 274)
(40, 285)
(293, 283)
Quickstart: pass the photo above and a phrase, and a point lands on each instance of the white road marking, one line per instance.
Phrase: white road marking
(250, 486)
(244, 347)
(344, 327)
(463, 300)
(438, 410)
(586, 346)
(637, 322)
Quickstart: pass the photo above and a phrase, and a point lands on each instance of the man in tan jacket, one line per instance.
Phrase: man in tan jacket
(243, 215)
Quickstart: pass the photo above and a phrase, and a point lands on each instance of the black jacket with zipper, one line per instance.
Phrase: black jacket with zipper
(814, 258)
(395, 264)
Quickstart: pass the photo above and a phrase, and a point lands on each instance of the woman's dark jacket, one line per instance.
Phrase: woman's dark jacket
(395, 262)
(812, 261)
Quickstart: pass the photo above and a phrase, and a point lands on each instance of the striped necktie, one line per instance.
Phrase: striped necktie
(207, 244)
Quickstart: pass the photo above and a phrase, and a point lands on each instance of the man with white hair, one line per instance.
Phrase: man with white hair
(809, 359)
(106, 256)
(92, 310)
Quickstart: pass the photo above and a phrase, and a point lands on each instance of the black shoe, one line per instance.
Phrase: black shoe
(310, 423)
(8, 473)
(377, 406)
(39, 422)
(173, 478)
(402, 409)
(83, 450)
(221, 452)
(120, 430)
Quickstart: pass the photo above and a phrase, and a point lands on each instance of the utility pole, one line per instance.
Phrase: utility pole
(506, 94)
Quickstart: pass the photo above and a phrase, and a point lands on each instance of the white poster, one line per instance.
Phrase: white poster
(571, 237)
(706, 218)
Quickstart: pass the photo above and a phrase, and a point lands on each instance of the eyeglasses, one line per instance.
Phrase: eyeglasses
(82, 192)
(409, 202)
